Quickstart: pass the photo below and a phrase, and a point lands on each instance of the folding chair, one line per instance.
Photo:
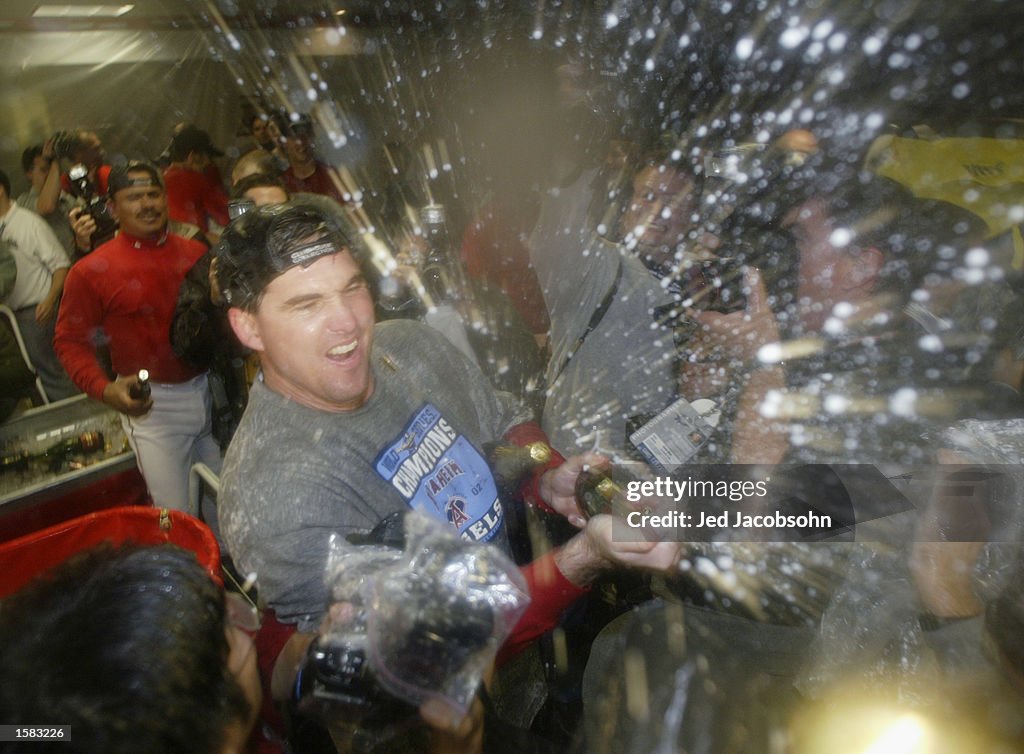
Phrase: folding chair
(9, 314)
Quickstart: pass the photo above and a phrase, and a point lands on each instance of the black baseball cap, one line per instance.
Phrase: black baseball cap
(267, 241)
(192, 139)
(119, 177)
(298, 123)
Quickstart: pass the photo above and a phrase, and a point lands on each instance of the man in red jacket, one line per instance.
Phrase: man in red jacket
(118, 303)
(192, 196)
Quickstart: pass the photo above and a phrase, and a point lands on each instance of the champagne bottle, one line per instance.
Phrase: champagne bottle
(84, 444)
(437, 265)
(398, 299)
(53, 457)
(141, 391)
(596, 492)
(16, 461)
(510, 464)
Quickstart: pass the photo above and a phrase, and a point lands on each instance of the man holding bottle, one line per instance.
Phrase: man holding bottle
(115, 320)
(354, 421)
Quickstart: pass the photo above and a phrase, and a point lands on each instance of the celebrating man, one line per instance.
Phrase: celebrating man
(352, 422)
(118, 304)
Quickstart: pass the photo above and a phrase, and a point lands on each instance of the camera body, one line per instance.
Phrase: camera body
(65, 144)
(337, 684)
(238, 207)
(83, 188)
(431, 637)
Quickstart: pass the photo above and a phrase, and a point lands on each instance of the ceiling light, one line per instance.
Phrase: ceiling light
(81, 11)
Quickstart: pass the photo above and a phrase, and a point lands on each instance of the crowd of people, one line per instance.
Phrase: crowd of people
(824, 313)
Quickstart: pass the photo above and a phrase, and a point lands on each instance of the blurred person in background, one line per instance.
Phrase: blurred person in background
(305, 173)
(42, 266)
(200, 332)
(45, 196)
(254, 161)
(192, 197)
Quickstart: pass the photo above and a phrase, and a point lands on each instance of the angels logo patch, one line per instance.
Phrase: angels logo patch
(439, 472)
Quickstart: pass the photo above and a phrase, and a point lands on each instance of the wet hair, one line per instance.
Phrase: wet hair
(28, 157)
(258, 180)
(267, 241)
(126, 645)
(5, 183)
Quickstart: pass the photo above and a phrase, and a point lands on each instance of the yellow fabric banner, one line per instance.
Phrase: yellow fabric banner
(982, 175)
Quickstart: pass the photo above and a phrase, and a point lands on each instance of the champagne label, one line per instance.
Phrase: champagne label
(672, 437)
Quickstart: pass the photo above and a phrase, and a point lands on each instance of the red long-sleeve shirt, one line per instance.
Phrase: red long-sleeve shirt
(193, 198)
(123, 294)
(318, 183)
(493, 250)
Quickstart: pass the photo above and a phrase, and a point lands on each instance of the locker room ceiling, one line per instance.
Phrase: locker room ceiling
(17, 15)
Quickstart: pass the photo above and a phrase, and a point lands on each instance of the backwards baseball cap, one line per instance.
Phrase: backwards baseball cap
(120, 179)
(267, 241)
(192, 139)
(298, 124)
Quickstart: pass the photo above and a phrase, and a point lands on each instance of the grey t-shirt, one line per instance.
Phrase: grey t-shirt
(625, 365)
(57, 220)
(293, 475)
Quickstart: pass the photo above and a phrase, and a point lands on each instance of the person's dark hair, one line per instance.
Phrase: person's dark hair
(120, 177)
(125, 645)
(28, 157)
(267, 241)
(191, 139)
(254, 116)
(5, 183)
(257, 180)
(665, 152)
(919, 237)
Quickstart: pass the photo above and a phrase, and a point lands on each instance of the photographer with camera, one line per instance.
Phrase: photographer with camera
(85, 179)
(135, 649)
(719, 306)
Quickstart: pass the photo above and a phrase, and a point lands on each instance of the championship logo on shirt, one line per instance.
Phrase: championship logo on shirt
(439, 472)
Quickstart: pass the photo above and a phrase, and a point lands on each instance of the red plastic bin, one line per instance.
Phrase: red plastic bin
(23, 558)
